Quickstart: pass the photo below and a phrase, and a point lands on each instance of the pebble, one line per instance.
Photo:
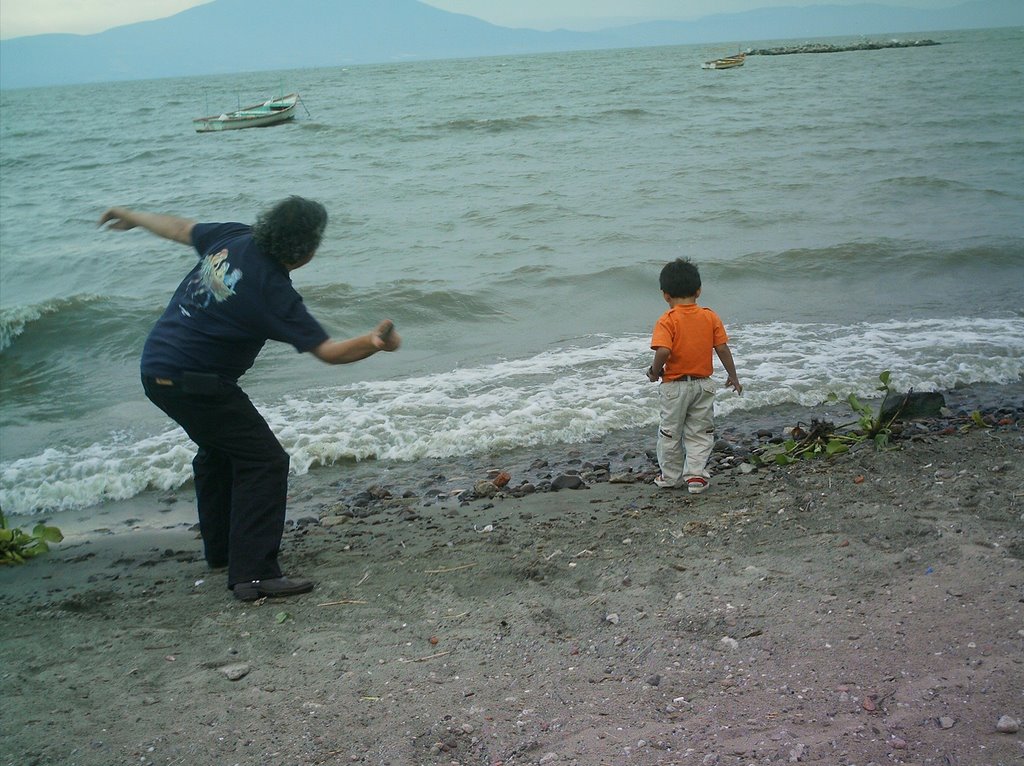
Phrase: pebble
(946, 722)
(1007, 725)
(334, 521)
(236, 672)
(485, 489)
(567, 481)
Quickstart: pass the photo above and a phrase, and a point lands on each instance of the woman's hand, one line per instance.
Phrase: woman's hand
(117, 217)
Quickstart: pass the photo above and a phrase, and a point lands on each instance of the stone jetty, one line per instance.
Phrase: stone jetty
(865, 45)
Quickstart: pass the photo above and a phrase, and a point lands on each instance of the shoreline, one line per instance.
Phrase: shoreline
(862, 609)
(431, 481)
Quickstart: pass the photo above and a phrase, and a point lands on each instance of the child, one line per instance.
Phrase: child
(682, 341)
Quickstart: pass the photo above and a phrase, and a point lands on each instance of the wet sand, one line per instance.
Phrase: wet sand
(865, 609)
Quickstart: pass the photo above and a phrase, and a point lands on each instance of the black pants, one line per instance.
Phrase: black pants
(241, 473)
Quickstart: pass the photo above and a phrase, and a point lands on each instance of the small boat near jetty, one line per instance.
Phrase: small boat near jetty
(270, 112)
(728, 62)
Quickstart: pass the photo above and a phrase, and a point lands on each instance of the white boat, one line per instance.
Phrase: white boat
(725, 63)
(270, 112)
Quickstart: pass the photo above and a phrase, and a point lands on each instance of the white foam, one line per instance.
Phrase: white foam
(567, 394)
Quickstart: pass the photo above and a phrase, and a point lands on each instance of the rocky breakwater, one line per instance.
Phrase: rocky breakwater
(864, 45)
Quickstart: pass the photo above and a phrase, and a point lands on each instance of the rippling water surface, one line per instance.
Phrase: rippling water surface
(851, 212)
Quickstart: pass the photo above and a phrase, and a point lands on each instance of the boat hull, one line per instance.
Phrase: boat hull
(730, 62)
(262, 115)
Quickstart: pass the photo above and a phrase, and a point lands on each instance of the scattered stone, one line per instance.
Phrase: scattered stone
(333, 521)
(945, 722)
(567, 481)
(485, 489)
(1007, 725)
(730, 642)
(622, 478)
(236, 671)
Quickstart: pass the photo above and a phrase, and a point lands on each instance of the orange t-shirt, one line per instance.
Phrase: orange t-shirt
(690, 333)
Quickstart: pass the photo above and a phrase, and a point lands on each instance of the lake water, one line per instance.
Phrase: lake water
(851, 213)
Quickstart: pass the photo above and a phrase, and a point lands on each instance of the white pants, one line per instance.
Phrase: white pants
(687, 431)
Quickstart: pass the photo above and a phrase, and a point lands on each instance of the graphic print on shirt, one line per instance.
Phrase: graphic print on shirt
(214, 281)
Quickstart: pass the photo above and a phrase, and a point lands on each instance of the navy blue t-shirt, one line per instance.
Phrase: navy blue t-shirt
(229, 305)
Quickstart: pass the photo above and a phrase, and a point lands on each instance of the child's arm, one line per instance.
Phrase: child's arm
(725, 357)
(661, 355)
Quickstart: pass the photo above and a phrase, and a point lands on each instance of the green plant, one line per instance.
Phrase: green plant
(978, 420)
(825, 439)
(871, 425)
(16, 545)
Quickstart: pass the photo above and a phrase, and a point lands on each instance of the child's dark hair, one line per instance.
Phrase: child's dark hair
(680, 278)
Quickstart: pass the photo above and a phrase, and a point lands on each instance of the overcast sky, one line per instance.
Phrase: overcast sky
(33, 17)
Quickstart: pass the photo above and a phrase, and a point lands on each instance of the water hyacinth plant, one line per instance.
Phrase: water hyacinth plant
(824, 439)
(17, 546)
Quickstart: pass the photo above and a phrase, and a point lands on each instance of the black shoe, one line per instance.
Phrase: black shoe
(278, 587)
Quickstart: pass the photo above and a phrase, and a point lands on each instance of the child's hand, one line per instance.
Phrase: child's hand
(734, 384)
(651, 376)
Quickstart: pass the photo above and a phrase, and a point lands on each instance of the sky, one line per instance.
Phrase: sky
(32, 17)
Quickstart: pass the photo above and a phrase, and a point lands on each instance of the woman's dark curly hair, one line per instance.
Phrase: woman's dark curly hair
(290, 231)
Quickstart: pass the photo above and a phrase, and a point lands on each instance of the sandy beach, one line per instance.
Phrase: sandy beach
(861, 610)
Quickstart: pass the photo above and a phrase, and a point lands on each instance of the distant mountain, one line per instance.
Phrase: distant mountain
(228, 36)
(823, 21)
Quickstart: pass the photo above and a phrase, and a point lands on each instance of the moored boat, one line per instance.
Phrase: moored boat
(269, 112)
(728, 62)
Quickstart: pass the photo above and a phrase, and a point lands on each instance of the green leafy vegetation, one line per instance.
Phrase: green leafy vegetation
(825, 439)
(978, 420)
(17, 546)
